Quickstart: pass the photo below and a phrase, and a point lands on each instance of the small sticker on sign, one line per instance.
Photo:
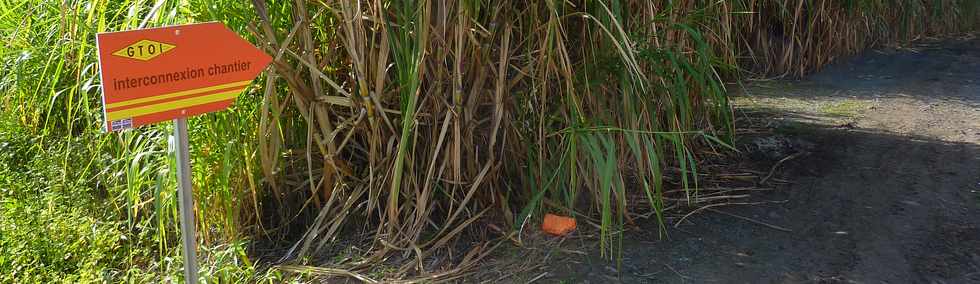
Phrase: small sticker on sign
(122, 124)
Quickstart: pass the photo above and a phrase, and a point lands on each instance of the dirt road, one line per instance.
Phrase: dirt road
(887, 188)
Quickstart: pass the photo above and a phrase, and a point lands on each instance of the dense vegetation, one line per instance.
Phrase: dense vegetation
(400, 122)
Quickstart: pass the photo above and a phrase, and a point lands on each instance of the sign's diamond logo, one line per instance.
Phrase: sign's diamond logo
(144, 50)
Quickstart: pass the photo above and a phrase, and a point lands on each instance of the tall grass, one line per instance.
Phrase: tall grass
(443, 114)
(405, 123)
(796, 37)
(449, 113)
(117, 186)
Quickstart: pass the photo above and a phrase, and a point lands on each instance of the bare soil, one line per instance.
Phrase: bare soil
(884, 186)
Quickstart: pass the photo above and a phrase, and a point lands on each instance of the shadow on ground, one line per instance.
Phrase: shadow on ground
(928, 71)
(863, 206)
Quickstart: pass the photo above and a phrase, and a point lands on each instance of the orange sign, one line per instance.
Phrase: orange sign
(159, 74)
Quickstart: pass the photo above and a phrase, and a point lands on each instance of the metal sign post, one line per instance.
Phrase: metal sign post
(171, 73)
(186, 196)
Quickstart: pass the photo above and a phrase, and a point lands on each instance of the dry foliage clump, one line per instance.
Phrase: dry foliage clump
(408, 121)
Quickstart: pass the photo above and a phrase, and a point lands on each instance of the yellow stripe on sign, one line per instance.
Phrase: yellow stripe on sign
(177, 94)
(178, 104)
